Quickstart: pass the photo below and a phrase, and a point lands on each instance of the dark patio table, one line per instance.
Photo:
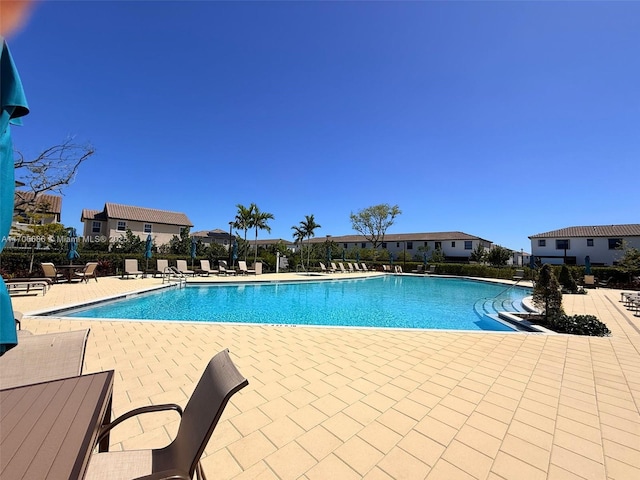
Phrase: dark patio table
(69, 270)
(49, 430)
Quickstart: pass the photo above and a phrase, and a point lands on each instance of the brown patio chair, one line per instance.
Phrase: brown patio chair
(181, 458)
(182, 267)
(45, 357)
(89, 271)
(50, 271)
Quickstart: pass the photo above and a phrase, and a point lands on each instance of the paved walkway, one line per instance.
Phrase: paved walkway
(327, 403)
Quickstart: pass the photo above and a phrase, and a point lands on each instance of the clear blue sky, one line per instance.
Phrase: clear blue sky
(498, 119)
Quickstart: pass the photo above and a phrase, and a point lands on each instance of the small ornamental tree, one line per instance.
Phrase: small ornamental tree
(498, 256)
(478, 254)
(567, 281)
(547, 295)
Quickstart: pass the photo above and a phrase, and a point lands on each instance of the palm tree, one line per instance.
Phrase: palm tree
(242, 221)
(306, 229)
(259, 222)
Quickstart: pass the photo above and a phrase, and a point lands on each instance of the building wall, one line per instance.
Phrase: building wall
(450, 248)
(599, 252)
(161, 233)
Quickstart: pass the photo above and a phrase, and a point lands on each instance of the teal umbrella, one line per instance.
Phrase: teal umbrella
(357, 255)
(391, 257)
(587, 265)
(234, 253)
(329, 254)
(147, 250)
(424, 258)
(193, 251)
(344, 255)
(13, 104)
(72, 246)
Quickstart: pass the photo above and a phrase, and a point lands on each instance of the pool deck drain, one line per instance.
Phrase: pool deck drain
(378, 404)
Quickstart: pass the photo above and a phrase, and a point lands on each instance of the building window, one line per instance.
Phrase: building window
(363, 245)
(542, 243)
(562, 244)
(453, 244)
(147, 228)
(409, 245)
(122, 226)
(426, 244)
(438, 245)
(468, 245)
(589, 242)
(397, 244)
(384, 245)
(615, 243)
(96, 227)
(345, 245)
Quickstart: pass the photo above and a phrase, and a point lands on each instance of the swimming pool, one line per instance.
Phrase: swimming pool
(389, 301)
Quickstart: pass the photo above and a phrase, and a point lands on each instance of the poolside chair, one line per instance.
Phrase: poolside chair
(50, 271)
(131, 267)
(181, 458)
(364, 267)
(162, 267)
(605, 283)
(89, 271)
(589, 281)
(27, 285)
(41, 358)
(397, 269)
(356, 267)
(418, 269)
(333, 267)
(205, 267)
(519, 275)
(342, 269)
(350, 267)
(242, 268)
(182, 267)
(432, 269)
(223, 270)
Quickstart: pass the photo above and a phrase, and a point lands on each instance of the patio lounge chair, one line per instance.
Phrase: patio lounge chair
(342, 269)
(27, 285)
(41, 358)
(89, 271)
(162, 268)
(131, 267)
(242, 268)
(350, 267)
(205, 267)
(418, 269)
(333, 267)
(589, 281)
(223, 270)
(605, 283)
(364, 267)
(181, 458)
(432, 269)
(50, 271)
(182, 267)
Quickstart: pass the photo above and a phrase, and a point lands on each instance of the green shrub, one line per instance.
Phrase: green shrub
(567, 281)
(579, 325)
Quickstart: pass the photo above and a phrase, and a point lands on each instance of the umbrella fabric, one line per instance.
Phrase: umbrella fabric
(329, 254)
(344, 255)
(424, 258)
(72, 246)
(357, 255)
(391, 257)
(147, 250)
(532, 262)
(234, 252)
(587, 265)
(13, 105)
(193, 251)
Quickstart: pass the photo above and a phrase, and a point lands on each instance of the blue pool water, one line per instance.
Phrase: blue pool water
(389, 301)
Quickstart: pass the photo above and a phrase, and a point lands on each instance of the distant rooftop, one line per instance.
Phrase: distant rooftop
(628, 230)
(137, 214)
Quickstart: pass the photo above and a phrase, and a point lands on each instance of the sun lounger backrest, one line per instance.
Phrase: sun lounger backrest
(41, 358)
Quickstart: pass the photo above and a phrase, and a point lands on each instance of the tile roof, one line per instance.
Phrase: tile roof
(401, 237)
(24, 201)
(137, 214)
(628, 230)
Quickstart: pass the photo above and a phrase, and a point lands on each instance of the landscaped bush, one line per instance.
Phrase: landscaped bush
(579, 325)
(567, 281)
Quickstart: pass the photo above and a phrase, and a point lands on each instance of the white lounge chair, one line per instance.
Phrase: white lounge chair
(131, 267)
(242, 268)
(182, 267)
(205, 267)
(223, 270)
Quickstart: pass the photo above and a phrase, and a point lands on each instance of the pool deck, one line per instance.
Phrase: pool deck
(351, 403)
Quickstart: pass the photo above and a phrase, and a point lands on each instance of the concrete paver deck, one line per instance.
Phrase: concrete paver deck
(380, 404)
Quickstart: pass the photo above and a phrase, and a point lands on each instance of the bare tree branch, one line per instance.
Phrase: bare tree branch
(52, 170)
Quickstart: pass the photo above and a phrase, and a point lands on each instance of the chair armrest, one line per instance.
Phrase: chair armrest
(136, 411)
(172, 474)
